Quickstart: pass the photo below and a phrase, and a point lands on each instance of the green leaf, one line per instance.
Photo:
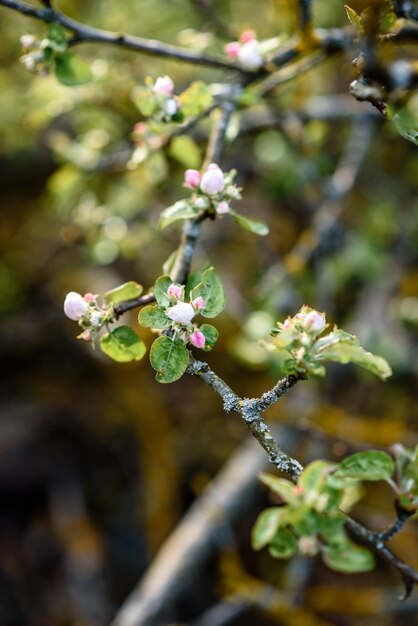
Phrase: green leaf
(212, 291)
(160, 290)
(348, 352)
(71, 70)
(257, 228)
(406, 121)
(146, 101)
(195, 98)
(181, 210)
(154, 317)
(280, 486)
(123, 345)
(266, 526)
(348, 558)
(169, 357)
(127, 291)
(369, 465)
(186, 151)
(314, 476)
(284, 544)
(211, 335)
(57, 39)
(354, 18)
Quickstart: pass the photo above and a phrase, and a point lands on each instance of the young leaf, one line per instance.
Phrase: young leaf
(153, 317)
(284, 545)
(266, 526)
(348, 558)
(195, 98)
(354, 18)
(169, 357)
(145, 101)
(257, 228)
(127, 291)
(347, 352)
(160, 290)
(369, 465)
(181, 210)
(123, 345)
(211, 290)
(71, 70)
(280, 486)
(211, 335)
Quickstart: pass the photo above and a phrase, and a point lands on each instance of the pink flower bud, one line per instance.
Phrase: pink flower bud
(75, 306)
(182, 313)
(198, 303)
(175, 291)
(222, 208)
(192, 179)
(286, 324)
(249, 55)
(246, 36)
(232, 49)
(197, 339)
(315, 322)
(89, 297)
(86, 335)
(212, 180)
(163, 86)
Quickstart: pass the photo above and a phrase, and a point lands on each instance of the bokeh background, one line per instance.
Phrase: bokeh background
(98, 462)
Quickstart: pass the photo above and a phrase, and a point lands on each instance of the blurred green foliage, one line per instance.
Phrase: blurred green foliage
(97, 463)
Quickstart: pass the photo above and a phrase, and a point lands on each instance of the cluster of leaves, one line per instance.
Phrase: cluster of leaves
(202, 203)
(310, 520)
(302, 347)
(169, 355)
(192, 101)
(51, 54)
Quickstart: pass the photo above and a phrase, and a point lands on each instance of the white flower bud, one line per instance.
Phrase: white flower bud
(75, 307)
(182, 312)
(249, 55)
(212, 180)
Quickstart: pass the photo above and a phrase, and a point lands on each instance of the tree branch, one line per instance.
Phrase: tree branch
(85, 34)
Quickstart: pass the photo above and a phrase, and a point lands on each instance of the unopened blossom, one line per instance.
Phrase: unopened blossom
(192, 179)
(163, 86)
(201, 203)
(96, 319)
(232, 192)
(198, 303)
(246, 36)
(75, 307)
(232, 49)
(175, 291)
(212, 180)
(182, 312)
(171, 107)
(197, 339)
(286, 324)
(249, 55)
(27, 41)
(315, 322)
(86, 335)
(222, 208)
(89, 297)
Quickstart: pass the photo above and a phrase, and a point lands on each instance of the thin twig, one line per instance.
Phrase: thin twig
(192, 228)
(84, 34)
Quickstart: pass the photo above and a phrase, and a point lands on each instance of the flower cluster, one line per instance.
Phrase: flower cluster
(246, 51)
(182, 314)
(34, 58)
(213, 189)
(157, 100)
(297, 337)
(87, 312)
